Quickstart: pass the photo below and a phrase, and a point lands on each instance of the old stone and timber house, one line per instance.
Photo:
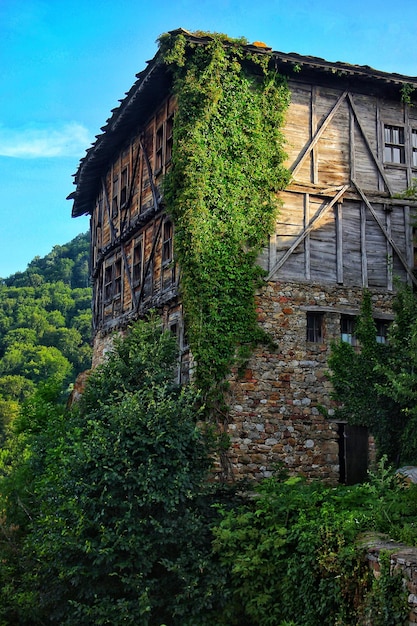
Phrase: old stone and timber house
(351, 140)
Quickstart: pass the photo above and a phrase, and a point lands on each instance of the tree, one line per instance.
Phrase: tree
(375, 385)
(121, 530)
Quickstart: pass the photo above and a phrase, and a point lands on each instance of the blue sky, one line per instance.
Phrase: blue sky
(65, 65)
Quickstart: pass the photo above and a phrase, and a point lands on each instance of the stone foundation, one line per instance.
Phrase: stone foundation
(278, 406)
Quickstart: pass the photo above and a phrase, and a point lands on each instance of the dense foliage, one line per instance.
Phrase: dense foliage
(67, 264)
(375, 386)
(45, 324)
(221, 189)
(113, 508)
(107, 517)
(294, 555)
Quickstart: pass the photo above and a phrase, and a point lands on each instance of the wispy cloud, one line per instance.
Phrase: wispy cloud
(69, 139)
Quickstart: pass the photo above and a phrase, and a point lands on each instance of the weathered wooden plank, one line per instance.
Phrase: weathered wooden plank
(313, 222)
(339, 243)
(383, 229)
(304, 153)
(307, 247)
(367, 142)
(364, 256)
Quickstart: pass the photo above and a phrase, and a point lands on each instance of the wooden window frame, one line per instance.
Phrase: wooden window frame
(115, 197)
(347, 329)
(137, 262)
(167, 243)
(113, 280)
(159, 149)
(315, 327)
(124, 186)
(414, 147)
(382, 326)
(394, 145)
(169, 139)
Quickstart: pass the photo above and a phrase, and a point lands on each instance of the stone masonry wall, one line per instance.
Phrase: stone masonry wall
(403, 561)
(275, 406)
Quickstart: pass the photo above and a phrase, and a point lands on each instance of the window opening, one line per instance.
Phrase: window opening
(347, 328)
(167, 243)
(315, 327)
(137, 263)
(118, 277)
(124, 185)
(108, 283)
(414, 147)
(115, 199)
(394, 149)
(382, 330)
(159, 148)
(169, 138)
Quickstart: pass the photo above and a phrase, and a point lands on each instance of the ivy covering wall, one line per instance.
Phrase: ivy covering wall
(227, 167)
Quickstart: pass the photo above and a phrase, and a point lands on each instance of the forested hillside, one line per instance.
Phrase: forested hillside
(45, 323)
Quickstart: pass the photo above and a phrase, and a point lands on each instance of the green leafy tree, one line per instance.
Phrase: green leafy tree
(121, 530)
(375, 385)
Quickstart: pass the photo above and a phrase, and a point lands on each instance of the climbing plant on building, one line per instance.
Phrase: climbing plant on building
(221, 191)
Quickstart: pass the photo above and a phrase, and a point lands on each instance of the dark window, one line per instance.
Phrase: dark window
(118, 277)
(124, 185)
(347, 328)
(159, 148)
(137, 263)
(100, 210)
(315, 327)
(148, 281)
(414, 147)
(169, 138)
(382, 330)
(113, 280)
(167, 243)
(115, 198)
(108, 283)
(394, 149)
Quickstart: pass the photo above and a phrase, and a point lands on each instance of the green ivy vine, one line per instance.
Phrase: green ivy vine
(221, 191)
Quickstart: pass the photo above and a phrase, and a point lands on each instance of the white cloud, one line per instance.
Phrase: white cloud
(70, 139)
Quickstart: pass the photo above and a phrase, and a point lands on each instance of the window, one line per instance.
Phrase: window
(159, 149)
(347, 327)
(137, 262)
(113, 280)
(124, 186)
(115, 198)
(108, 283)
(169, 138)
(394, 148)
(167, 243)
(382, 330)
(118, 278)
(414, 147)
(315, 327)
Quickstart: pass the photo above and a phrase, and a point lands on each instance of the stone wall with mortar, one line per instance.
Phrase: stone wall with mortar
(275, 416)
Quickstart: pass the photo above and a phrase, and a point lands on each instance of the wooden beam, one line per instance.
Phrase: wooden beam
(319, 214)
(368, 145)
(308, 148)
(384, 230)
(339, 243)
(364, 258)
(307, 249)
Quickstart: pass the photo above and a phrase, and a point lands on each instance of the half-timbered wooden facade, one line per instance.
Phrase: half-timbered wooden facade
(351, 140)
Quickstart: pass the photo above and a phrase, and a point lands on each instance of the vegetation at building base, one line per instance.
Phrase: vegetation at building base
(227, 166)
(376, 385)
(107, 517)
(45, 324)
